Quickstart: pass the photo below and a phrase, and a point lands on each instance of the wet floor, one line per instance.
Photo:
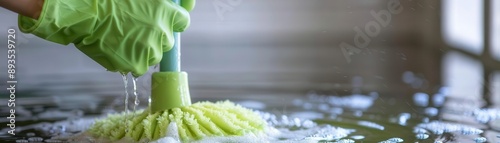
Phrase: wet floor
(416, 81)
(365, 117)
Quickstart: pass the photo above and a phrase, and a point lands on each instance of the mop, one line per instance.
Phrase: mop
(171, 107)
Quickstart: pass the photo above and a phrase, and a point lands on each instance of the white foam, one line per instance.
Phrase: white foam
(346, 141)
(173, 132)
(486, 115)
(439, 127)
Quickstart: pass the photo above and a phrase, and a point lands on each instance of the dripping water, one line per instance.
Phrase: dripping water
(125, 83)
(136, 97)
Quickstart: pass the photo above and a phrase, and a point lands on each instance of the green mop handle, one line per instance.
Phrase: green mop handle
(171, 61)
(169, 87)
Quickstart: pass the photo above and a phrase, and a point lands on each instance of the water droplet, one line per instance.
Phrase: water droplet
(431, 111)
(421, 99)
(308, 124)
(296, 122)
(419, 131)
(425, 120)
(403, 117)
(358, 137)
(422, 136)
(398, 140)
(371, 125)
(480, 139)
(136, 96)
(438, 99)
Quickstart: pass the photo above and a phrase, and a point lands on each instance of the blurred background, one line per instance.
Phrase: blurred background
(293, 46)
(276, 50)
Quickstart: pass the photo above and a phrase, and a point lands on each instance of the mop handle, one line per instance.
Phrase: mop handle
(171, 61)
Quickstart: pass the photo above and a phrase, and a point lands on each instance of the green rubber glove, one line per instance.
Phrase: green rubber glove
(121, 35)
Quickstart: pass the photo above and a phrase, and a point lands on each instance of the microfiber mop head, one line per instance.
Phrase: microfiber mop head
(202, 119)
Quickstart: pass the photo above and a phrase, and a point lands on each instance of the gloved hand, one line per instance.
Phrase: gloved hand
(121, 35)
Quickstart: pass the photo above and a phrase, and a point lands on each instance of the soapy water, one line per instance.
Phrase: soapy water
(314, 118)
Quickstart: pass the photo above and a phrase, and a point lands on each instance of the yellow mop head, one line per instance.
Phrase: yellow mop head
(196, 121)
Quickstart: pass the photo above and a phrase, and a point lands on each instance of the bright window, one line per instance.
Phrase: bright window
(495, 87)
(463, 75)
(466, 65)
(462, 24)
(496, 29)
